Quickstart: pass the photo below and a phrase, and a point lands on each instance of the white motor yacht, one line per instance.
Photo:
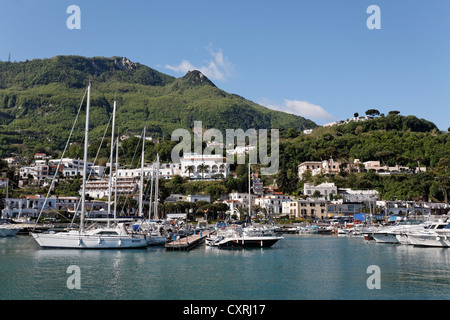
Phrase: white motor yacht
(436, 235)
(389, 234)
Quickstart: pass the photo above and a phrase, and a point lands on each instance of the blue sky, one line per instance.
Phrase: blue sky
(315, 58)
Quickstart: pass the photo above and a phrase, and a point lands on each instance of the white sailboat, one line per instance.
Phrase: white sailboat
(111, 237)
(153, 230)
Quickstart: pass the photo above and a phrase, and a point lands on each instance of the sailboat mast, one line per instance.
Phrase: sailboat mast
(151, 192)
(141, 185)
(86, 136)
(111, 162)
(249, 197)
(156, 188)
(115, 180)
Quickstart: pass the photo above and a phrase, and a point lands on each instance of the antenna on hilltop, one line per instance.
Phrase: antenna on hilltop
(9, 57)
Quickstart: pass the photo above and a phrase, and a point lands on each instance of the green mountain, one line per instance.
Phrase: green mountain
(39, 100)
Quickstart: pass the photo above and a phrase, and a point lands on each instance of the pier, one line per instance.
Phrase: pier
(189, 242)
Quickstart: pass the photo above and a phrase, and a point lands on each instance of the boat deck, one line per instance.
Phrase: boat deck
(188, 243)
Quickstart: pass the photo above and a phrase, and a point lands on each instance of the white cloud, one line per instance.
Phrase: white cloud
(217, 68)
(302, 108)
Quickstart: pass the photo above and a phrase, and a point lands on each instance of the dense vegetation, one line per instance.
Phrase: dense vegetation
(392, 139)
(39, 100)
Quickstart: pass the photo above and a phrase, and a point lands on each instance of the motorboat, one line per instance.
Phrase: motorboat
(389, 234)
(436, 235)
(238, 237)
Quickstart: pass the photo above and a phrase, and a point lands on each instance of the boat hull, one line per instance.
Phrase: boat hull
(383, 237)
(8, 232)
(75, 241)
(156, 241)
(429, 240)
(248, 243)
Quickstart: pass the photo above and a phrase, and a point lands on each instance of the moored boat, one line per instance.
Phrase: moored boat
(101, 238)
(436, 235)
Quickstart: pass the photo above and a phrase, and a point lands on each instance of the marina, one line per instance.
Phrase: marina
(298, 267)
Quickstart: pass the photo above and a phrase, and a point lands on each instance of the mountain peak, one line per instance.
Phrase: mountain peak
(124, 64)
(195, 77)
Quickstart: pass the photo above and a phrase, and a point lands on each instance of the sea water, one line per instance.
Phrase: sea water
(299, 267)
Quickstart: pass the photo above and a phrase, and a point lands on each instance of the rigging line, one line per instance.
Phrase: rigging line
(95, 159)
(127, 195)
(90, 172)
(60, 161)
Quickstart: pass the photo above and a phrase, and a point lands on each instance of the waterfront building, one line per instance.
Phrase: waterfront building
(306, 209)
(31, 206)
(272, 203)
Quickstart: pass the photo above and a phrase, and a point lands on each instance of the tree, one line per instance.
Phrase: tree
(190, 169)
(356, 114)
(215, 191)
(202, 168)
(372, 112)
(316, 194)
(394, 112)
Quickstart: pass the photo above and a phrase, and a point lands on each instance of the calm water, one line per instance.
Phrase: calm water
(297, 268)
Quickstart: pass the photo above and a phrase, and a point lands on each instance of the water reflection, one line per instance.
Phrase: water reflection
(298, 267)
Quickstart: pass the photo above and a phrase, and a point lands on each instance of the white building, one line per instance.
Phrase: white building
(200, 166)
(198, 197)
(166, 171)
(325, 189)
(98, 189)
(31, 206)
(273, 203)
(349, 195)
(242, 197)
(317, 167)
(314, 166)
(43, 169)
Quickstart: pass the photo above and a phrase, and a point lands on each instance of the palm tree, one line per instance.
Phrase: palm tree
(202, 169)
(190, 169)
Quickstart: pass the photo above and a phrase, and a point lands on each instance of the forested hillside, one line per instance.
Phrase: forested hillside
(393, 140)
(39, 100)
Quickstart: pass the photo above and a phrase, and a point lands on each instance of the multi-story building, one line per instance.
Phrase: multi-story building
(273, 203)
(166, 171)
(199, 166)
(326, 190)
(306, 209)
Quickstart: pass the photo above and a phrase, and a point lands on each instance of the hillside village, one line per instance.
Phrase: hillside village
(316, 202)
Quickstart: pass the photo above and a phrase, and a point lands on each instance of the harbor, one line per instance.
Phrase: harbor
(298, 267)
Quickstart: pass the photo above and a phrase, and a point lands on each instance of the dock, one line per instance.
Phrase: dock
(189, 242)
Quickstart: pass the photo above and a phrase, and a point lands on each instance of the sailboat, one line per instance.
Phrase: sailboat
(152, 229)
(110, 237)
